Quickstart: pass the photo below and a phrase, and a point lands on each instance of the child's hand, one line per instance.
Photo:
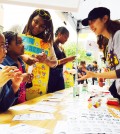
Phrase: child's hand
(27, 77)
(16, 80)
(71, 58)
(41, 57)
(6, 74)
(30, 78)
(31, 61)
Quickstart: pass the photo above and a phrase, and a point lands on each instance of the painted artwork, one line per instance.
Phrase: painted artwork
(68, 75)
(34, 46)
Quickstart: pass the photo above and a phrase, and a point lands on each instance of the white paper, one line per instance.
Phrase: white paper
(27, 129)
(33, 116)
(49, 103)
(53, 100)
(4, 128)
(61, 128)
(43, 108)
(30, 69)
(57, 96)
(20, 107)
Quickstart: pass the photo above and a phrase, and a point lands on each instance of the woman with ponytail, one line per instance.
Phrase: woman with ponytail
(100, 23)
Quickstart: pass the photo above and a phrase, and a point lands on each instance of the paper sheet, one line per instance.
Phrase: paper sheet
(34, 116)
(4, 128)
(43, 108)
(20, 107)
(27, 129)
(47, 102)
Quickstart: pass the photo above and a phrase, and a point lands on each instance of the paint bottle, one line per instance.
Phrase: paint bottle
(85, 87)
(75, 89)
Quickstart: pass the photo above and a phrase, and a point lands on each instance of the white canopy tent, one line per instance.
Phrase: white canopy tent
(78, 8)
(86, 5)
(70, 11)
(64, 5)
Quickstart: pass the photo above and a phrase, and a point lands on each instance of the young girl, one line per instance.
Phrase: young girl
(15, 48)
(10, 79)
(40, 25)
(56, 74)
(101, 24)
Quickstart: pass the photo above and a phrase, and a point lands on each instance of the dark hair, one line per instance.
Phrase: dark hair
(61, 30)
(103, 59)
(113, 26)
(47, 34)
(82, 62)
(103, 41)
(10, 36)
(95, 62)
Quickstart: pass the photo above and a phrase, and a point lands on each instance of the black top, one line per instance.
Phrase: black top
(92, 68)
(118, 73)
(81, 71)
(59, 53)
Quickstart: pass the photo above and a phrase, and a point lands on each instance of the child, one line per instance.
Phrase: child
(40, 25)
(15, 48)
(10, 79)
(56, 74)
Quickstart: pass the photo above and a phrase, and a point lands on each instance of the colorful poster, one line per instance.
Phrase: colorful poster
(68, 77)
(34, 46)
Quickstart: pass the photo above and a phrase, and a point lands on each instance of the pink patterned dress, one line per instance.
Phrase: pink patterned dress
(22, 91)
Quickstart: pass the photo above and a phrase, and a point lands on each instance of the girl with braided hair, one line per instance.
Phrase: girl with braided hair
(15, 48)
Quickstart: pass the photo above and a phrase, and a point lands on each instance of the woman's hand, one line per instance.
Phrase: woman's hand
(89, 74)
(6, 74)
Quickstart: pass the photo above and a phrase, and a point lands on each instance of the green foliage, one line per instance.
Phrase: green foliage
(70, 50)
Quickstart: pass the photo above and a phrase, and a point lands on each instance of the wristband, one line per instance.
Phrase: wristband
(58, 62)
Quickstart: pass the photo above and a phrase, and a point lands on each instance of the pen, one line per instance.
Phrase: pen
(92, 96)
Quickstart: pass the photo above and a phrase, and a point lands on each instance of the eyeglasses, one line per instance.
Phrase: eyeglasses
(4, 47)
(44, 15)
